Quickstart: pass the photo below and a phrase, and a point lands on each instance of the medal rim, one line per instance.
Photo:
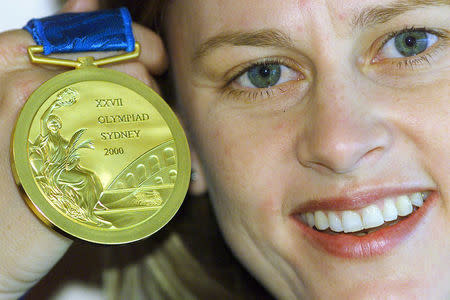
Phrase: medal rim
(35, 199)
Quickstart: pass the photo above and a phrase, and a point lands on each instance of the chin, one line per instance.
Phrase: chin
(403, 259)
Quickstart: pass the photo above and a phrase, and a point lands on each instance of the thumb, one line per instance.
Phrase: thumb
(80, 6)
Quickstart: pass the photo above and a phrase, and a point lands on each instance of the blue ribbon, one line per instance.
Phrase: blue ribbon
(107, 30)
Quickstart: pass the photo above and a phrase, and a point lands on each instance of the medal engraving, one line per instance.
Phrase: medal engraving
(102, 159)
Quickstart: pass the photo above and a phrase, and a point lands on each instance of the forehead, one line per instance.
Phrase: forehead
(210, 17)
(306, 22)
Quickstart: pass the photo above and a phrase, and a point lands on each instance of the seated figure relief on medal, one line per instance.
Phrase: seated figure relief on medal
(96, 183)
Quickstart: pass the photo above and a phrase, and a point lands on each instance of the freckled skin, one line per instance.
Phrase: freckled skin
(352, 126)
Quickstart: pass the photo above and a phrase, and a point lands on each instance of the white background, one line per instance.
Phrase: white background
(16, 13)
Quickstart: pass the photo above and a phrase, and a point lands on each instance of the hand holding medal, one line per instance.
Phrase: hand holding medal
(96, 154)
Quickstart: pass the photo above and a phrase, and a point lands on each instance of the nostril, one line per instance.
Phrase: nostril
(344, 146)
(321, 167)
(373, 152)
(340, 159)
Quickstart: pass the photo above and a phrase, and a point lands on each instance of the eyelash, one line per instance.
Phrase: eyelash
(420, 58)
(254, 93)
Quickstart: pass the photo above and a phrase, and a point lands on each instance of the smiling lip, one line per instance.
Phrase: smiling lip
(375, 243)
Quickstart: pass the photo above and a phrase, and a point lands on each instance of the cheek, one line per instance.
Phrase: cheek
(246, 159)
(250, 165)
(426, 123)
(419, 118)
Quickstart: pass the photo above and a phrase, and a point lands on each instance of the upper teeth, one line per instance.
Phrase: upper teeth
(371, 216)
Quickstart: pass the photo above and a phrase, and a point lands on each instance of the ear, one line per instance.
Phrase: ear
(198, 185)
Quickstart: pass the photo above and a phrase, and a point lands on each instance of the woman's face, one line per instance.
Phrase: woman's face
(332, 113)
(54, 125)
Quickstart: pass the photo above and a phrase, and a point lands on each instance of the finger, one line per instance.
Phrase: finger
(138, 71)
(13, 50)
(80, 6)
(153, 53)
(14, 44)
(16, 87)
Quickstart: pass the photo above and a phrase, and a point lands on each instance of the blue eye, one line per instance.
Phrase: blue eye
(408, 43)
(265, 75)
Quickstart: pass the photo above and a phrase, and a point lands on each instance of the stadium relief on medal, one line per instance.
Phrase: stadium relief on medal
(75, 187)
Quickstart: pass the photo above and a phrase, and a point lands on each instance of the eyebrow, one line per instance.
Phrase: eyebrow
(275, 38)
(258, 38)
(383, 13)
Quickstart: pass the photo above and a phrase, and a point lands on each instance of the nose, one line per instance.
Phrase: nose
(342, 130)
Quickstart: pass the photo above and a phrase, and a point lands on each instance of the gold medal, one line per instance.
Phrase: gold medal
(98, 154)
